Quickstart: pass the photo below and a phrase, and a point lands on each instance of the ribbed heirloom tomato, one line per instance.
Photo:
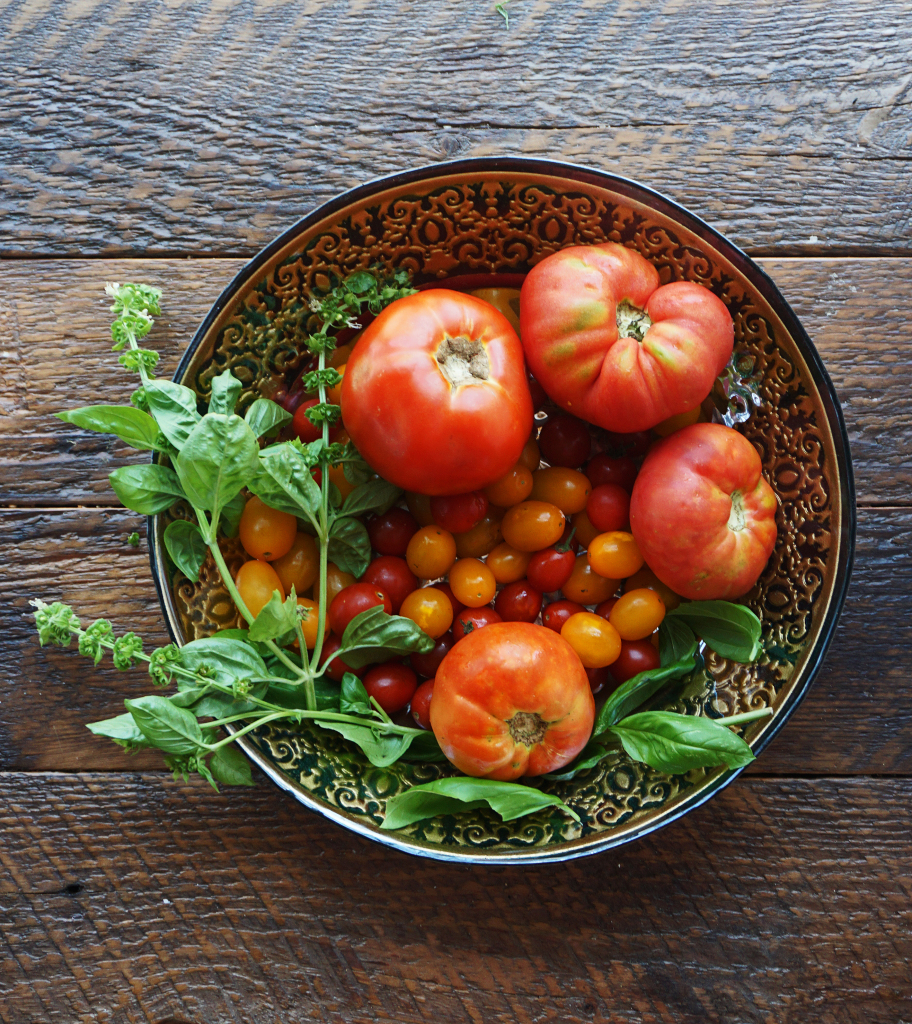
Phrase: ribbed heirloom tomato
(435, 393)
(511, 699)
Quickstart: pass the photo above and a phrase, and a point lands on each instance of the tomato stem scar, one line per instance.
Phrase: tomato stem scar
(528, 728)
(632, 322)
(737, 519)
(462, 360)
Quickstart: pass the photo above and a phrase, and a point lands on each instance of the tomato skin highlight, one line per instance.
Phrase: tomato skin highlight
(702, 514)
(431, 416)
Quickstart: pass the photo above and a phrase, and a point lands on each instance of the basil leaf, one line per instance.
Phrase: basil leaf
(133, 426)
(373, 635)
(676, 638)
(186, 547)
(587, 758)
(264, 416)
(676, 743)
(355, 468)
(170, 728)
(731, 630)
(230, 767)
(243, 634)
(226, 390)
(349, 546)
(276, 619)
(122, 729)
(226, 660)
(354, 699)
(380, 750)
(174, 409)
(360, 282)
(230, 519)
(283, 482)
(291, 695)
(424, 748)
(639, 689)
(219, 457)
(452, 796)
(148, 489)
(374, 496)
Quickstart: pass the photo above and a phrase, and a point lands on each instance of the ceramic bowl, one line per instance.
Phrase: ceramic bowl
(487, 221)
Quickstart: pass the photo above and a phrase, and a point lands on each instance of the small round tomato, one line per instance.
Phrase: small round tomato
(532, 525)
(256, 581)
(637, 614)
(426, 663)
(595, 641)
(336, 581)
(512, 488)
(470, 619)
(336, 668)
(420, 704)
(301, 425)
(556, 614)
(265, 532)
(431, 552)
(599, 678)
(511, 700)
(636, 656)
(518, 602)
(390, 533)
(472, 582)
(300, 565)
(565, 441)
(420, 507)
(604, 608)
(337, 476)
(550, 569)
(615, 555)
(631, 444)
(445, 588)
(508, 564)
(392, 685)
(334, 394)
(352, 601)
(458, 513)
(393, 576)
(607, 469)
(586, 586)
(478, 541)
(310, 621)
(566, 488)
(647, 578)
(531, 455)
(585, 531)
(430, 608)
(608, 508)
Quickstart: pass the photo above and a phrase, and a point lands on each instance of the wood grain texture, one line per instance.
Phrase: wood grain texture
(137, 129)
(54, 328)
(857, 717)
(131, 899)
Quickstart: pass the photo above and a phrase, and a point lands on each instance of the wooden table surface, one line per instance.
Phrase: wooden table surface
(166, 143)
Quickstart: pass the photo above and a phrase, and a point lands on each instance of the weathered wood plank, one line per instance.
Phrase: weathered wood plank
(856, 718)
(53, 329)
(131, 131)
(140, 899)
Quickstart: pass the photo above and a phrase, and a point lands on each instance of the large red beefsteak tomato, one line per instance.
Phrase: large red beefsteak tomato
(613, 346)
(511, 699)
(435, 394)
(702, 514)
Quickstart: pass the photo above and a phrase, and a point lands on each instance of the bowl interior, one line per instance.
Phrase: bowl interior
(484, 220)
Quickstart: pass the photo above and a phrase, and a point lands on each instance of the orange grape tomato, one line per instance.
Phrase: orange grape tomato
(637, 614)
(430, 609)
(507, 564)
(431, 552)
(309, 622)
(300, 567)
(615, 555)
(531, 455)
(420, 507)
(265, 532)
(532, 525)
(585, 586)
(513, 487)
(585, 531)
(647, 578)
(673, 423)
(337, 476)
(339, 356)
(596, 641)
(566, 488)
(473, 582)
(256, 581)
(336, 580)
(481, 539)
(506, 300)
(334, 394)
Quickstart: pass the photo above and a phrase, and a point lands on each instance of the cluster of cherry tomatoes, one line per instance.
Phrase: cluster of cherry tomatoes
(546, 542)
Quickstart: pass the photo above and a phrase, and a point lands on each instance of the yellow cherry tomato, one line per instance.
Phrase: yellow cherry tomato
(532, 525)
(512, 488)
(585, 586)
(673, 423)
(310, 620)
(566, 488)
(256, 582)
(647, 578)
(482, 538)
(300, 567)
(265, 532)
(637, 614)
(507, 564)
(472, 582)
(430, 608)
(615, 555)
(531, 455)
(595, 641)
(431, 552)
(336, 580)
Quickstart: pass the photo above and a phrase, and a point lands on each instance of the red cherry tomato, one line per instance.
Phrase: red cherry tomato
(392, 685)
(393, 576)
(426, 664)
(565, 441)
(608, 508)
(420, 706)
(604, 469)
(352, 601)
(636, 656)
(458, 513)
(550, 569)
(518, 602)
(301, 425)
(390, 533)
(435, 393)
(599, 678)
(557, 613)
(632, 445)
(470, 619)
(337, 667)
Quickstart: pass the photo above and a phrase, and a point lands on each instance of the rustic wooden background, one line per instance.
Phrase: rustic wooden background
(167, 142)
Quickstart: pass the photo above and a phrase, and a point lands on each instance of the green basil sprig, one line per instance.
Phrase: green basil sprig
(731, 630)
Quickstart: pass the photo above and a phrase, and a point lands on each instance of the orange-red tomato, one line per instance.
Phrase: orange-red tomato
(435, 393)
(336, 580)
(511, 699)
(265, 532)
(510, 489)
(473, 582)
(596, 641)
(310, 620)
(481, 539)
(615, 555)
(532, 525)
(300, 566)
(585, 531)
(430, 608)
(256, 582)
(508, 564)
(531, 455)
(566, 488)
(431, 552)
(647, 578)
(585, 586)
(637, 614)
